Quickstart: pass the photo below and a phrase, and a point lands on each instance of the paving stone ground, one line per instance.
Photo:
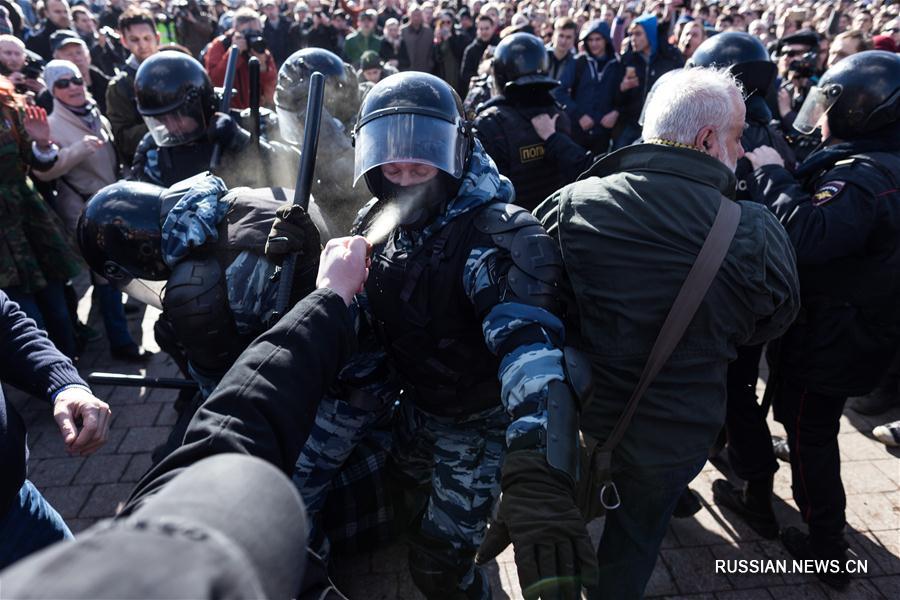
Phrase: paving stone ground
(86, 490)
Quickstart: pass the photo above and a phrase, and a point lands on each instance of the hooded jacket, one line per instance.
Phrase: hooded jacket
(663, 58)
(596, 77)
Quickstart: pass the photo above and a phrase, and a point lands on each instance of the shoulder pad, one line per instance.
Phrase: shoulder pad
(501, 217)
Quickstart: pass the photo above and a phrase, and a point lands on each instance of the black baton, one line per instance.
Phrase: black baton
(304, 178)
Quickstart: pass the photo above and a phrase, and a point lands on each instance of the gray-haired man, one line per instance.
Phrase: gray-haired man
(632, 228)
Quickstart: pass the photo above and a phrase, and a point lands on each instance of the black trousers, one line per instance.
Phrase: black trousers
(812, 422)
(749, 441)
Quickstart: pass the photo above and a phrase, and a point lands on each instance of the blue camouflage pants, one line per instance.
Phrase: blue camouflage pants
(456, 461)
(461, 459)
(339, 427)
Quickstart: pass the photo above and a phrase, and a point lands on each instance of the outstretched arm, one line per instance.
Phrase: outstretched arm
(266, 403)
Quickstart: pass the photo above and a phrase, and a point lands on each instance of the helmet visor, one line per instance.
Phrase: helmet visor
(180, 126)
(148, 292)
(818, 102)
(410, 138)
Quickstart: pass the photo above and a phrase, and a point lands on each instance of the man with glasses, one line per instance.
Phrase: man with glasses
(68, 45)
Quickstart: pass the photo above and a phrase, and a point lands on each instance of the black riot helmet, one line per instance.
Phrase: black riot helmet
(292, 90)
(521, 60)
(412, 117)
(175, 97)
(120, 235)
(860, 95)
(745, 54)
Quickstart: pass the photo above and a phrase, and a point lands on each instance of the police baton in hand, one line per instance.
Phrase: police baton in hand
(304, 178)
(254, 99)
(225, 106)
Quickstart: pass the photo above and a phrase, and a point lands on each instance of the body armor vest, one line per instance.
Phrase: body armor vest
(533, 175)
(428, 326)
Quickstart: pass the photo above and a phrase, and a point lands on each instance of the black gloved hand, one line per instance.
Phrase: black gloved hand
(293, 231)
(537, 513)
(226, 132)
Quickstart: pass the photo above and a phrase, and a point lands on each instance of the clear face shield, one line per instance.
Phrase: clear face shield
(143, 290)
(410, 138)
(179, 126)
(818, 102)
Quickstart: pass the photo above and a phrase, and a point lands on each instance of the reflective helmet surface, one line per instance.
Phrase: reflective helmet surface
(521, 60)
(120, 232)
(412, 117)
(746, 56)
(175, 96)
(292, 89)
(860, 95)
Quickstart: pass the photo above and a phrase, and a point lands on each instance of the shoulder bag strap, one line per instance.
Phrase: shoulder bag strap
(688, 300)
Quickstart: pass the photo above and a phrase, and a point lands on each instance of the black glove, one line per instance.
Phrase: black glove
(226, 132)
(537, 513)
(293, 231)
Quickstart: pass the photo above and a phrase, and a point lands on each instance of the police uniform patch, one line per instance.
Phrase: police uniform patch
(530, 153)
(827, 192)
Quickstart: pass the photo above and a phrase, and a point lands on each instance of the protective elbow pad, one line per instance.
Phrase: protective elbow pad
(536, 267)
(196, 303)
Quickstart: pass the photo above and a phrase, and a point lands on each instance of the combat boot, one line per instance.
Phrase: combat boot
(800, 547)
(753, 504)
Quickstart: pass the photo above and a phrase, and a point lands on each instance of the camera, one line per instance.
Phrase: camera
(255, 41)
(805, 66)
(34, 67)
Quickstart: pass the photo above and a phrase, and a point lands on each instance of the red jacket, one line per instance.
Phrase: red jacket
(216, 62)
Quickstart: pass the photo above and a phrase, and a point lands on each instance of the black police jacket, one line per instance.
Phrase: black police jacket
(537, 168)
(843, 218)
(761, 130)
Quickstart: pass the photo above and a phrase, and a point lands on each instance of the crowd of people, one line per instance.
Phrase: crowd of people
(558, 241)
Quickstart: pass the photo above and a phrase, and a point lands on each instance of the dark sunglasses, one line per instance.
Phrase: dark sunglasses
(62, 84)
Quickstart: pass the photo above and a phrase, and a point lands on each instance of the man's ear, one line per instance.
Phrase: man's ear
(705, 139)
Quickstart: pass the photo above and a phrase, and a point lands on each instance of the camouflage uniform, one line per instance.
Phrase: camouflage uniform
(201, 218)
(455, 459)
(34, 249)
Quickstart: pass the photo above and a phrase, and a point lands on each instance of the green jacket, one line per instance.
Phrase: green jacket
(630, 229)
(127, 124)
(357, 43)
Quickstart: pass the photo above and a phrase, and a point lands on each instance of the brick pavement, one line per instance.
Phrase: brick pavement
(86, 490)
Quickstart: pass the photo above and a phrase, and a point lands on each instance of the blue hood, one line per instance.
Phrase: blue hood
(648, 23)
(598, 26)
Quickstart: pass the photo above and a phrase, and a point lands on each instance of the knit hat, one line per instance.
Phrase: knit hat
(59, 69)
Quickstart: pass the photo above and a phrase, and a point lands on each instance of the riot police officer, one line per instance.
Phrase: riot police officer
(843, 217)
(198, 252)
(462, 286)
(333, 187)
(536, 167)
(750, 63)
(745, 423)
(176, 99)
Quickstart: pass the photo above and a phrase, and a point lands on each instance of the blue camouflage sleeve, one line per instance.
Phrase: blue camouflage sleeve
(527, 369)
